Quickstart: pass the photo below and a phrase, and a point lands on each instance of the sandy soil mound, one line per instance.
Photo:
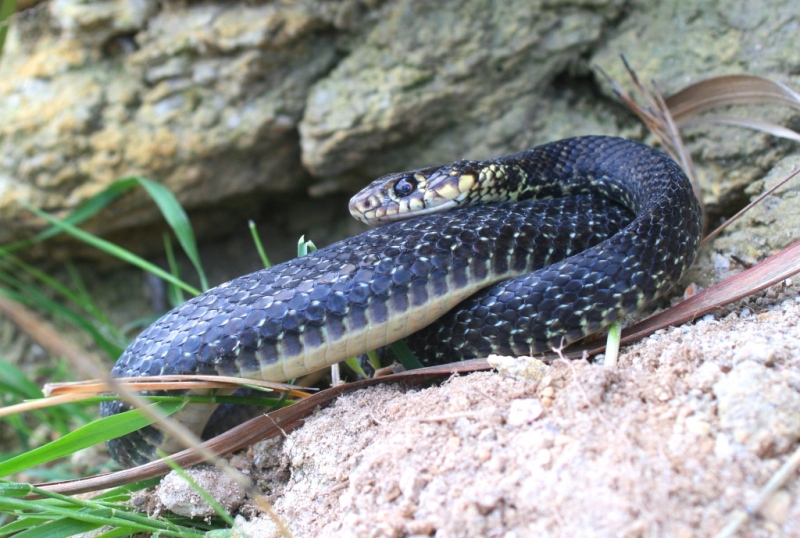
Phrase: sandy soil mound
(682, 434)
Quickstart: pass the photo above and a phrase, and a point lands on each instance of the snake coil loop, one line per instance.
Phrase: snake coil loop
(539, 248)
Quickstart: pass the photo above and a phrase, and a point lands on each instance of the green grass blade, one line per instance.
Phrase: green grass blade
(123, 493)
(36, 300)
(304, 247)
(612, 345)
(86, 210)
(259, 246)
(212, 502)
(14, 489)
(90, 510)
(14, 380)
(405, 356)
(112, 249)
(175, 295)
(83, 299)
(114, 533)
(169, 206)
(16, 387)
(80, 298)
(7, 9)
(60, 528)
(374, 360)
(22, 524)
(354, 365)
(178, 220)
(96, 516)
(85, 436)
(91, 319)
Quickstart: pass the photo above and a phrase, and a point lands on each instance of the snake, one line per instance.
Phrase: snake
(514, 255)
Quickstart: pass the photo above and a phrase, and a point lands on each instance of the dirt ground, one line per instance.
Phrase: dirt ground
(673, 442)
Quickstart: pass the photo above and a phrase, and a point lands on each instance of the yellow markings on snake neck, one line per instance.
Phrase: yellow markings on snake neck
(422, 181)
(466, 182)
(448, 191)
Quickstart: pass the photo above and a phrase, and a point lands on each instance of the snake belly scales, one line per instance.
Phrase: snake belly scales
(591, 229)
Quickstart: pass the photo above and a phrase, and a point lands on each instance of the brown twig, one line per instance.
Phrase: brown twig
(747, 208)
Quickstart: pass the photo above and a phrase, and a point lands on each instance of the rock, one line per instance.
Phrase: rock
(432, 84)
(205, 100)
(94, 23)
(698, 40)
(772, 224)
(209, 99)
(179, 497)
(519, 367)
(758, 409)
(524, 411)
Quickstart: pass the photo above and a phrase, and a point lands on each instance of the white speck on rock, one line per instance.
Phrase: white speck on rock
(524, 411)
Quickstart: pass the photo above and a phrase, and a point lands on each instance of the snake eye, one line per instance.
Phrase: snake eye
(405, 186)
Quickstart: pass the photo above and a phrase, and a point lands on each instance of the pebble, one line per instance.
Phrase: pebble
(524, 411)
(180, 498)
(776, 509)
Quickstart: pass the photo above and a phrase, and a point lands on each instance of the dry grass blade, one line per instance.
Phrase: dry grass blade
(41, 403)
(756, 125)
(733, 219)
(49, 338)
(262, 427)
(95, 387)
(61, 393)
(729, 90)
(777, 481)
(657, 116)
(687, 105)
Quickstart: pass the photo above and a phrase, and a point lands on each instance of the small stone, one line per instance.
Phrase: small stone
(524, 411)
(392, 492)
(705, 376)
(543, 457)
(417, 527)
(697, 426)
(753, 351)
(563, 440)
(411, 483)
(180, 498)
(519, 367)
(777, 507)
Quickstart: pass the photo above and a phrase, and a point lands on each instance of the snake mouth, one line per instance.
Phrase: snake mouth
(394, 213)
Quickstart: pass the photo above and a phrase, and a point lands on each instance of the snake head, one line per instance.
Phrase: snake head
(419, 192)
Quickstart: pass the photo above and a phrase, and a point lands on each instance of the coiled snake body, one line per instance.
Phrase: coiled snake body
(587, 230)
